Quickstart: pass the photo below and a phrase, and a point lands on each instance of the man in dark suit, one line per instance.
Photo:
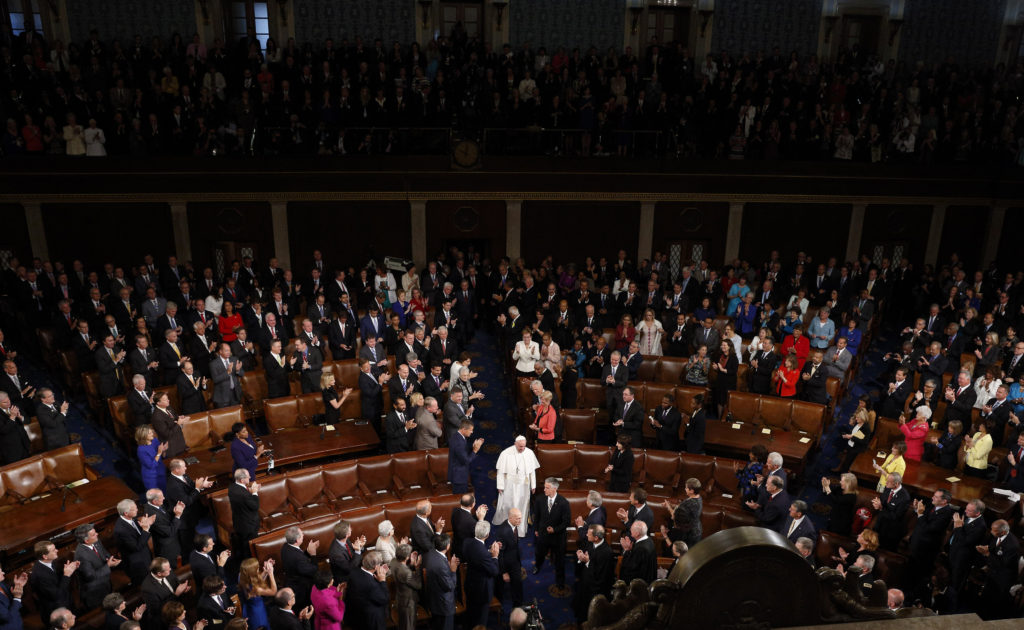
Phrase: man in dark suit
(402, 385)
(551, 519)
(895, 396)
(638, 511)
(771, 513)
(960, 398)
(245, 512)
(200, 348)
(443, 350)
(170, 354)
(160, 586)
(14, 442)
(10, 602)
(464, 519)
(679, 337)
(85, 346)
(50, 580)
(341, 337)
(399, 427)
(928, 534)
(890, 508)
(94, 565)
(1002, 556)
(762, 364)
(969, 532)
(183, 489)
(614, 377)
(283, 614)
(203, 563)
(932, 365)
(510, 561)
(366, 599)
(166, 542)
(242, 349)
(299, 566)
(814, 378)
(345, 555)
(371, 400)
(996, 413)
(108, 362)
(132, 540)
(796, 525)
(214, 605)
(226, 372)
(596, 567)
(52, 420)
(696, 427)
(639, 559)
(460, 455)
(440, 582)
(631, 419)
(276, 367)
(666, 420)
(481, 572)
(310, 362)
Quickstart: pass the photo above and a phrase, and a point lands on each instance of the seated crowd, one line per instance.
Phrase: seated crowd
(794, 324)
(172, 97)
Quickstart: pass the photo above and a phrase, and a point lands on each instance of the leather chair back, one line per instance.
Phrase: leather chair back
(775, 412)
(887, 433)
(661, 473)
(590, 462)
(807, 417)
(341, 483)
(401, 514)
(699, 467)
(281, 413)
(410, 469)
(35, 436)
(364, 522)
(376, 480)
(710, 520)
(346, 373)
(744, 406)
(197, 431)
(310, 405)
(26, 478)
(275, 509)
(670, 370)
(556, 460)
(306, 493)
(591, 394)
(685, 397)
(221, 421)
(579, 425)
(648, 370)
(653, 393)
(743, 377)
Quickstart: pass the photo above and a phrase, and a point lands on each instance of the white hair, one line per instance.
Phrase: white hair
(924, 412)
(385, 528)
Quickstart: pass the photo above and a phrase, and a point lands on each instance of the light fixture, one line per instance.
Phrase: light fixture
(499, 10)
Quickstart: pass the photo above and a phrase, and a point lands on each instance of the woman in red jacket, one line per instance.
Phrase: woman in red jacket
(228, 321)
(787, 377)
(544, 419)
(915, 432)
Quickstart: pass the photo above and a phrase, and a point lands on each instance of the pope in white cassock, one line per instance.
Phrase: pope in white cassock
(516, 479)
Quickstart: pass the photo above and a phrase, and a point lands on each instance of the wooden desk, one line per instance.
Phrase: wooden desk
(922, 479)
(291, 449)
(22, 526)
(721, 439)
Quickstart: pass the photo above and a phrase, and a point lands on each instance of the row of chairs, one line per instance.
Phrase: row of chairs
(41, 474)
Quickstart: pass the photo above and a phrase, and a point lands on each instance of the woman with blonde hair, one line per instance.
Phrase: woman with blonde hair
(544, 418)
(332, 404)
(253, 585)
(893, 463)
(651, 332)
(840, 519)
(976, 450)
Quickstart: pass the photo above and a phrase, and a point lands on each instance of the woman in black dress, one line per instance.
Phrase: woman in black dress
(686, 524)
(332, 404)
(569, 378)
(840, 520)
(621, 465)
(725, 379)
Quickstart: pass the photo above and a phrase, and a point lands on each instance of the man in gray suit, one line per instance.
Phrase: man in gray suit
(837, 359)
(454, 413)
(226, 372)
(153, 307)
(427, 427)
(94, 566)
(405, 568)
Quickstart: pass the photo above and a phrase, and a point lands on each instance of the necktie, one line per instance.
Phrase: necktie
(551, 503)
(791, 528)
(227, 368)
(167, 584)
(437, 382)
(174, 347)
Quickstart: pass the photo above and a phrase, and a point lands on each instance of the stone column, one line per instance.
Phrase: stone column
(995, 229)
(513, 228)
(179, 223)
(36, 230)
(418, 218)
(733, 231)
(646, 243)
(931, 252)
(856, 231)
(279, 223)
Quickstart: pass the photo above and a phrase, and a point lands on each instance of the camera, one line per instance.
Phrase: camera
(534, 620)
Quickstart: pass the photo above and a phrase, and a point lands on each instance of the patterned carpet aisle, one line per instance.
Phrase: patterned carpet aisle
(495, 422)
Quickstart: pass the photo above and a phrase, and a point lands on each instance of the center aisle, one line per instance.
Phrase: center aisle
(495, 422)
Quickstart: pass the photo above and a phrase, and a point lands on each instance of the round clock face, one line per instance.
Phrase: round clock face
(466, 153)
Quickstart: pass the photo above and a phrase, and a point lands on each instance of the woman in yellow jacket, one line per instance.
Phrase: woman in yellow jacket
(893, 463)
(976, 450)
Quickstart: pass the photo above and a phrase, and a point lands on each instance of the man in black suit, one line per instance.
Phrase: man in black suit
(630, 421)
(510, 562)
(276, 367)
(94, 565)
(183, 489)
(109, 360)
(666, 420)
(85, 346)
(203, 563)
(596, 569)
(201, 347)
(614, 377)
(14, 441)
(399, 428)
(421, 530)
(890, 508)
(366, 599)
(814, 378)
(132, 540)
(140, 400)
(932, 365)
(1002, 556)
(996, 413)
(402, 385)
(299, 566)
(443, 350)
(283, 616)
(639, 559)
(638, 511)
(160, 586)
(245, 512)
(370, 388)
(762, 364)
(310, 362)
(960, 398)
(341, 337)
(213, 605)
(969, 532)
(435, 384)
(928, 534)
(481, 572)
(170, 355)
(679, 337)
(50, 580)
(696, 427)
(771, 513)
(895, 396)
(345, 556)
(797, 525)
(464, 520)
(52, 420)
(551, 518)
(166, 542)
(242, 349)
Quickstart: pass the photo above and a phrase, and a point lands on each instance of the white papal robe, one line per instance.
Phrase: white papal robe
(516, 479)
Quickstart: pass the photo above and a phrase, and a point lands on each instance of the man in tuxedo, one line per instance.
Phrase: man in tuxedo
(50, 580)
(345, 555)
(797, 525)
(679, 337)
(245, 512)
(510, 561)
(551, 519)
(299, 566)
(160, 586)
(166, 524)
(596, 567)
(132, 540)
(890, 509)
(143, 360)
(762, 365)
(771, 513)
(214, 607)
(481, 572)
(366, 599)
(461, 454)
(1002, 557)
(666, 419)
(631, 420)
(639, 559)
(895, 396)
(52, 420)
(928, 534)
(94, 565)
(225, 371)
(311, 363)
(203, 563)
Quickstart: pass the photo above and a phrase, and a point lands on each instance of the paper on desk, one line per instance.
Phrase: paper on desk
(329, 427)
(80, 482)
(1009, 494)
(880, 455)
(952, 479)
(766, 431)
(805, 440)
(736, 425)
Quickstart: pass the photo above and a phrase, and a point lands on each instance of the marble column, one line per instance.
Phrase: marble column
(513, 228)
(279, 223)
(418, 218)
(36, 230)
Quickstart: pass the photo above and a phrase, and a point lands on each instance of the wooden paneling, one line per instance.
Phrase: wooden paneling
(884, 224)
(480, 224)
(97, 233)
(348, 233)
(699, 221)
(571, 231)
(819, 230)
(14, 235)
(213, 222)
(963, 233)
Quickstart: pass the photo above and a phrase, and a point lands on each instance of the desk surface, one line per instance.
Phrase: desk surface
(721, 437)
(291, 447)
(922, 478)
(22, 526)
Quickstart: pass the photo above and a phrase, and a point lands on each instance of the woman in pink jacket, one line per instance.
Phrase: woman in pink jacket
(915, 433)
(328, 602)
